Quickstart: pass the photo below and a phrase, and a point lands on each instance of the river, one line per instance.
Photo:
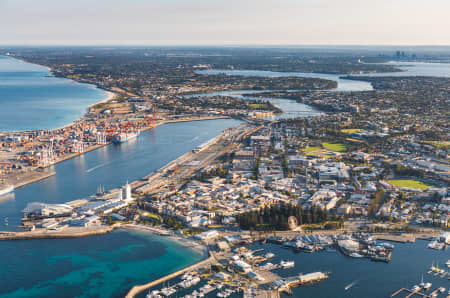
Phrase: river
(112, 165)
(408, 69)
(290, 108)
(293, 109)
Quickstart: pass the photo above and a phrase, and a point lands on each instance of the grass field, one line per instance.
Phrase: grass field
(257, 106)
(335, 147)
(154, 216)
(351, 130)
(410, 183)
(311, 149)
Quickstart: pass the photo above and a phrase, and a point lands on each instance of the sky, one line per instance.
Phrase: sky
(224, 22)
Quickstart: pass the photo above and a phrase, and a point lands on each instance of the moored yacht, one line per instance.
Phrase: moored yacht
(355, 255)
(287, 264)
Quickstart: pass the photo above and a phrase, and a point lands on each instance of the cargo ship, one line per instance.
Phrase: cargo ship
(125, 137)
(6, 189)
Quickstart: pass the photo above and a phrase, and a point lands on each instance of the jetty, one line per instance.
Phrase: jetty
(63, 232)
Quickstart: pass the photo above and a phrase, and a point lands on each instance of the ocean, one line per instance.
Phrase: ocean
(32, 98)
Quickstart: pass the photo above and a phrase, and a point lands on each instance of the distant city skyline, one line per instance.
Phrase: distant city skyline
(220, 22)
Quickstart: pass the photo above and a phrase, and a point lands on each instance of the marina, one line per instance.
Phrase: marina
(317, 275)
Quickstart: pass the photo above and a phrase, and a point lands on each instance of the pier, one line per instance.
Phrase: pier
(409, 293)
(405, 238)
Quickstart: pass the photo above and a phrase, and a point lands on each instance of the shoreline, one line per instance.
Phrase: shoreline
(110, 96)
(167, 235)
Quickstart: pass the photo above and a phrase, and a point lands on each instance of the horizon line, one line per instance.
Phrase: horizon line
(222, 45)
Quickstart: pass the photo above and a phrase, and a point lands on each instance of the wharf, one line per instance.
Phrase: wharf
(397, 238)
(269, 277)
(32, 178)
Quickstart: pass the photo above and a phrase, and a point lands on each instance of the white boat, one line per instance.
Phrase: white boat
(441, 289)
(347, 287)
(416, 288)
(355, 255)
(6, 189)
(422, 284)
(448, 264)
(436, 245)
(287, 264)
(154, 294)
(270, 255)
(427, 285)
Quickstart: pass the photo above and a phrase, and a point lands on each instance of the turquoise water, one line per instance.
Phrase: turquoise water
(31, 98)
(97, 266)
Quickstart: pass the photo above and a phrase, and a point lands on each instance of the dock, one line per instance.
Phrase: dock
(409, 293)
(405, 238)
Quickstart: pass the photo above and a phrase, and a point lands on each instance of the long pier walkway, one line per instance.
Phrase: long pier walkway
(409, 293)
